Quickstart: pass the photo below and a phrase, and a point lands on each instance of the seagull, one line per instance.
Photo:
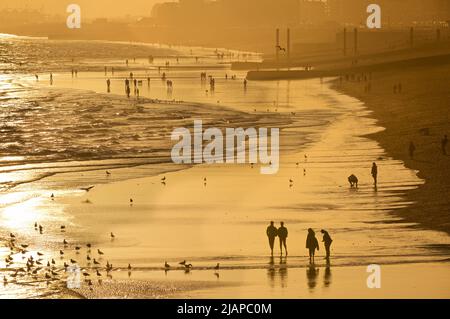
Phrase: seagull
(77, 248)
(280, 48)
(113, 236)
(53, 262)
(88, 258)
(291, 181)
(131, 201)
(217, 266)
(12, 235)
(24, 246)
(48, 264)
(47, 276)
(87, 189)
(63, 227)
(65, 242)
(88, 245)
(85, 274)
(99, 274)
(73, 261)
(96, 262)
(163, 179)
(183, 263)
(52, 196)
(108, 173)
(166, 265)
(188, 267)
(129, 266)
(54, 273)
(100, 252)
(40, 254)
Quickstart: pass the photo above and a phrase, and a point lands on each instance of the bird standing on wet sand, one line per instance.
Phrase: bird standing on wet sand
(65, 242)
(166, 265)
(113, 236)
(100, 252)
(129, 266)
(183, 263)
(96, 262)
(217, 266)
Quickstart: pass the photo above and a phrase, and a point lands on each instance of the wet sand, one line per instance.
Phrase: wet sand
(224, 220)
(420, 114)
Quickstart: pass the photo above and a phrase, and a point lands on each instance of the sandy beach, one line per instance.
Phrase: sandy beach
(160, 212)
(419, 114)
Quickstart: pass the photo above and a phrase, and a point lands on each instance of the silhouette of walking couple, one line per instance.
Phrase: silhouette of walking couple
(311, 241)
(282, 233)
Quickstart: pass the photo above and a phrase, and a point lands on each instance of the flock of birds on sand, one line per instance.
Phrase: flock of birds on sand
(33, 266)
(36, 268)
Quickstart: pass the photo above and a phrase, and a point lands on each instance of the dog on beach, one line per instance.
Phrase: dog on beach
(353, 180)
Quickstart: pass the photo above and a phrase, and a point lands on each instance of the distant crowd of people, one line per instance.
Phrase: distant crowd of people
(312, 244)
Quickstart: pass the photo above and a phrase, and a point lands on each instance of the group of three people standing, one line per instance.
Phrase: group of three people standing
(311, 241)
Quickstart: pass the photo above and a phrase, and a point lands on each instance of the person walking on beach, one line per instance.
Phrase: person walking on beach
(282, 235)
(108, 84)
(271, 234)
(374, 173)
(312, 244)
(327, 243)
(412, 149)
(444, 145)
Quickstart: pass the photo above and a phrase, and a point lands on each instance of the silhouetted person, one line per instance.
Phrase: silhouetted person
(444, 145)
(353, 180)
(327, 243)
(271, 234)
(312, 244)
(412, 149)
(374, 173)
(282, 235)
(108, 84)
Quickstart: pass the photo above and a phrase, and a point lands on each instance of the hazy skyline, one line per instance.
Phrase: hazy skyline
(91, 9)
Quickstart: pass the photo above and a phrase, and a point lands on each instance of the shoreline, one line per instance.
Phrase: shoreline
(418, 114)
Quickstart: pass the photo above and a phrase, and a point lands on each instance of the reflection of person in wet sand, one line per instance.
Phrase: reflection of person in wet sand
(353, 180)
(312, 244)
(327, 276)
(327, 243)
(271, 234)
(282, 235)
(311, 274)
